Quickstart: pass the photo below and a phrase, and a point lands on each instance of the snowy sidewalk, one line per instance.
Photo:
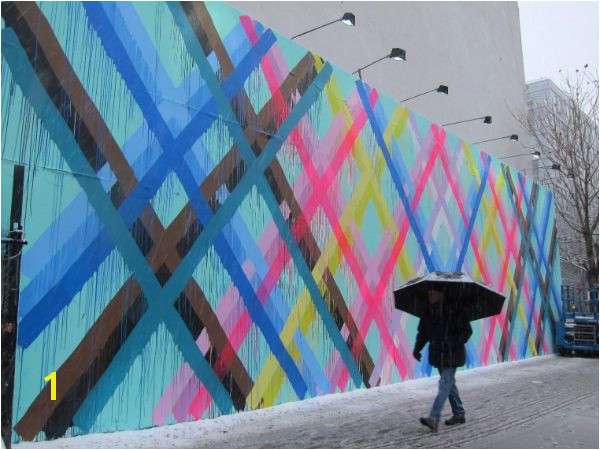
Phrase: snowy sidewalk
(546, 402)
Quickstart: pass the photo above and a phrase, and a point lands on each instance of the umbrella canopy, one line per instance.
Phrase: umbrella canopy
(475, 298)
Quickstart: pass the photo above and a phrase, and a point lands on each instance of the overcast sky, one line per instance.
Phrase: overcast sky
(558, 35)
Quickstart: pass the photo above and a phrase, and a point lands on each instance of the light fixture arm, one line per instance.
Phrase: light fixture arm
(370, 64)
(549, 179)
(520, 154)
(442, 88)
(463, 121)
(495, 139)
(552, 167)
(316, 28)
(418, 95)
(396, 53)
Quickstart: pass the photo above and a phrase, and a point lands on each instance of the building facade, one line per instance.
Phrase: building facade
(217, 219)
(472, 47)
(572, 246)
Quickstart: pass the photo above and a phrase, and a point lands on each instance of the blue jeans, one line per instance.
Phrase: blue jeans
(447, 390)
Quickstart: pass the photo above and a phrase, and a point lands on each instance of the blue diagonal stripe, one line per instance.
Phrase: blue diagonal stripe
(239, 137)
(474, 211)
(536, 283)
(526, 237)
(395, 177)
(153, 117)
(434, 254)
(42, 313)
(93, 403)
(116, 229)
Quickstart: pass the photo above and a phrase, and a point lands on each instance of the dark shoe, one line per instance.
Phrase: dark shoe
(455, 420)
(430, 423)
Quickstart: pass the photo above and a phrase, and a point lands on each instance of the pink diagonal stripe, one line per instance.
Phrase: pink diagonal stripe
(338, 159)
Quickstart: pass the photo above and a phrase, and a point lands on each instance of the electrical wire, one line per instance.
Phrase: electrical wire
(8, 258)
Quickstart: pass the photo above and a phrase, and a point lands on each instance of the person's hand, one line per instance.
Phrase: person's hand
(417, 354)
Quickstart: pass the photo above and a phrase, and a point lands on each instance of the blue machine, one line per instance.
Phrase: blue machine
(577, 331)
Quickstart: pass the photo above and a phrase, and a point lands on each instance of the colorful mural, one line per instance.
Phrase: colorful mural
(217, 219)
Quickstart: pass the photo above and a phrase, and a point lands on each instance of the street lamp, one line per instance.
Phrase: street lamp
(347, 19)
(512, 137)
(486, 119)
(396, 54)
(442, 89)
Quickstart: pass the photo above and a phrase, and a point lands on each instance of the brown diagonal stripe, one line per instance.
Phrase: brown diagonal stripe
(197, 13)
(58, 422)
(209, 319)
(80, 372)
(519, 272)
(62, 83)
(78, 363)
(110, 321)
(189, 313)
(149, 216)
(24, 17)
(544, 305)
(545, 284)
(243, 382)
(94, 346)
(516, 278)
(338, 307)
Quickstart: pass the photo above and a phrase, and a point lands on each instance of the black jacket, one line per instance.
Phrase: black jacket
(447, 334)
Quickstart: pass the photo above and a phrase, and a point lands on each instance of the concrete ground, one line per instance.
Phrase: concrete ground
(546, 402)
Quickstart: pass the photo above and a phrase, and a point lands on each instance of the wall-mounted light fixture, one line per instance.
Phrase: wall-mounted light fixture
(555, 166)
(396, 54)
(486, 119)
(512, 137)
(442, 89)
(347, 19)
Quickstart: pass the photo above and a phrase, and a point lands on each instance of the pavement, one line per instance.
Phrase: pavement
(544, 402)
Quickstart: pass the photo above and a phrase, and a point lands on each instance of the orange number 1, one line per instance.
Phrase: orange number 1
(52, 378)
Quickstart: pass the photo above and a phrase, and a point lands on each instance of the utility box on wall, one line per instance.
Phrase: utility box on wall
(217, 219)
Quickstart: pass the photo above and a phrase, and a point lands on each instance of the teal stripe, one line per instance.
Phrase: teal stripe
(116, 229)
(186, 267)
(264, 160)
(81, 170)
(191, 355)
(116, 372)
(527, 238)
(548, 316)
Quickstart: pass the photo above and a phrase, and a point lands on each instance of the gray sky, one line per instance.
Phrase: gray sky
(558, 35)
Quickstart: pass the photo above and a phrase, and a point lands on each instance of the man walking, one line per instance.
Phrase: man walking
(447, 330)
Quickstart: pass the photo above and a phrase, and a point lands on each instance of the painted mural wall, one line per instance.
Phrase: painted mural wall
(217, 219)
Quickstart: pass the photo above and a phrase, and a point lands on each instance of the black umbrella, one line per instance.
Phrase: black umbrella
(475, 298)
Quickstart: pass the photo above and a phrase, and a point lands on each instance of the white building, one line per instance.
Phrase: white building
(472, 47)
(571, 244)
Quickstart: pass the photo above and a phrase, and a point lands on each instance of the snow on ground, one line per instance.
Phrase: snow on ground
(544, 402)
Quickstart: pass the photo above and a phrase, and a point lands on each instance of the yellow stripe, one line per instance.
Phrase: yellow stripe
(267, 385)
